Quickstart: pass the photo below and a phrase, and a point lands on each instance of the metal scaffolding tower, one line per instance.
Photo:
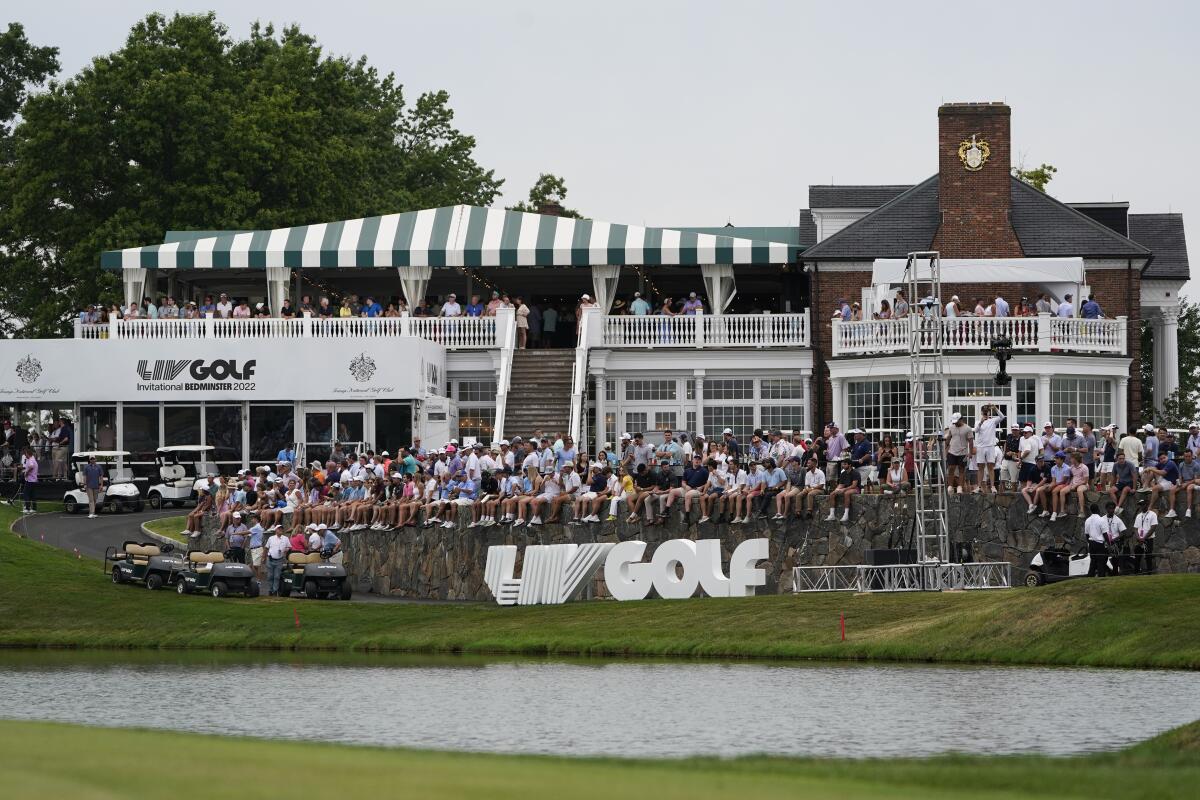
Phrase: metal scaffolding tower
(923, 279)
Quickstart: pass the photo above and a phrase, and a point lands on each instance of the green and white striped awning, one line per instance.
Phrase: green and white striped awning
(455, 236)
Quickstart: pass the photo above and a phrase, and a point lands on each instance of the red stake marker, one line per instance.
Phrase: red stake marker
(843, 620)
(297, 615)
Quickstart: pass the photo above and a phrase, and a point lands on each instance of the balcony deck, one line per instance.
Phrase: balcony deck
(1042, 333)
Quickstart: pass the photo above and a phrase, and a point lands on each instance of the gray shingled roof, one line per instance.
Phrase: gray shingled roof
(808, 228)
(1047, 227)
(906, 223)
(852, 196)
(1163, 235)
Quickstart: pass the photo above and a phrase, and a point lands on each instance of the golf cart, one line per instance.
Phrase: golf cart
(1057, 564)
(119, 492)
(148, 563)
(179, 468)
(208, 571)
(312, 574)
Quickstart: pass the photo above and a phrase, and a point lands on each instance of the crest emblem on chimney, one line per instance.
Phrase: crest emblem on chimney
(974, 153)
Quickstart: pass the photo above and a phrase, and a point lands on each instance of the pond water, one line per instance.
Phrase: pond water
(621, 708)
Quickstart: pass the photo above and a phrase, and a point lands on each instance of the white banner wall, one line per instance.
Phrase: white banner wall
(79, 370)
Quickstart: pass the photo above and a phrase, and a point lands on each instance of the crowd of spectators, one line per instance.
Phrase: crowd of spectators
(848, 311)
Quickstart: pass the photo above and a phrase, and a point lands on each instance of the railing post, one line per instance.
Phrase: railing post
(836, 336)
(114, 327)
(1123, 338)
(699, 338)
(209, 326)
(1043, 332)
(806, 332)
(306, 325)
(406, 324)
(78, 329)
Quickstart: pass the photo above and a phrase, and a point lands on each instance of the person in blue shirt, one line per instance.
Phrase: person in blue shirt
(331, 546)
(695, 478)
(287, 455)
(1163, 477)
(474, 308)
(460, 492)
(639, 307)
(774, 481)
(371, 309)
(1091, 309)
(566, 454)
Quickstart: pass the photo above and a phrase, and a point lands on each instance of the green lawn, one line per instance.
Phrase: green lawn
(39, 760)
(169, 527)
(49, 598)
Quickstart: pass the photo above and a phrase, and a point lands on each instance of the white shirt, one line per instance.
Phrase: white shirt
(1066, 309)
(488, 463)
(314, 541)
(1031, 446)
(277, 545)
(985, 431)
(510, 459)
(530, 460)
(1001, 307)
(814, 480)
(474, 471)
(440, 468)
(571, 481)
(951, 311)
(1096, 527)
(451, 309)
(224, 309)
(1144, 523)
(551, 486)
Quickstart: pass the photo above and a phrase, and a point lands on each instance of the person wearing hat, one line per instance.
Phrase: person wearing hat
(451, 308)
(276, 549)
(952, 308)
(985, 446)
(1144, 526)
(959, 447)
(692, 305)
(1010, 469)
(195, 518)
(1096, 529)
(1150, 446)
(639, 307)
(235, 534)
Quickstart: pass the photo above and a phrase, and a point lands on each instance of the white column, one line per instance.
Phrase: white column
(1167, 342)
(838, 407)
(698, 380)
(1121, 403)
(808, 405)
(1042, 402)
(601, 409)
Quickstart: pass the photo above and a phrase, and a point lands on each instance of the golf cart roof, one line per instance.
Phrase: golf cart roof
(86, 454)
(185, 448)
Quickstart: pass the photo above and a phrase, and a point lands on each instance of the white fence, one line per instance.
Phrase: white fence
(706, 330)
(454, 333)
(1042, 333)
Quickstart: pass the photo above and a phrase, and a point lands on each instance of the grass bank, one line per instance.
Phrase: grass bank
(49, 598)
(32, 764)
(169, 527)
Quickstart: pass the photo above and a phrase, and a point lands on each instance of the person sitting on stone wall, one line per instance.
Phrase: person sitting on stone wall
(848, 485)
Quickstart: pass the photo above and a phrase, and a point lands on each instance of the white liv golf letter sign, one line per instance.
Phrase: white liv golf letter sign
(556, 573)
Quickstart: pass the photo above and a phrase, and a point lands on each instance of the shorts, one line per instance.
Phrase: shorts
(715, 492)
(1165, 485)
(256, 556)
(1106, 467)
(1030, 473)
(1124, 485)
(955, 461)
(985, 455)
(588, 496)
(546, 498)
(464, 501)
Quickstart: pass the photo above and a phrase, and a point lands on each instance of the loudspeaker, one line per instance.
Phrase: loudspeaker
(962, 552)
(878, 558)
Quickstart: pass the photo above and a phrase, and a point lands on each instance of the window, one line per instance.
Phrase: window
(689, 388)
(477, 392)
(739, 418)
(664, 420)
(691, 422)
(271, 428)
(782, 389)
(1026, 411)
(650, 390)
(141, 431)
(98, 427)
(476, 423)
(635, 422)
(393, 426)
(223, 430)
(181, 425)
(610, 390)
(878, 405)
(784, 418)
(1083, 398)
(610, 427)
(728, 389)
(977, 387)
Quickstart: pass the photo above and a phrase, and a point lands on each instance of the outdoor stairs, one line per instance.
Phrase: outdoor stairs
(539, 397)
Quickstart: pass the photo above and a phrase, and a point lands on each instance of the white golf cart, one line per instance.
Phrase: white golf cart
(179, 468)
(118, 493)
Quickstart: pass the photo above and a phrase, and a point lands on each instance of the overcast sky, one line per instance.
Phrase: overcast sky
(671, 113)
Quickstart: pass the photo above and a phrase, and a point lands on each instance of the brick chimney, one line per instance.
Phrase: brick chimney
(551, 208)
(974, 193)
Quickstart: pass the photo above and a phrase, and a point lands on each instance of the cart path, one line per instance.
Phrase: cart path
(93, 536)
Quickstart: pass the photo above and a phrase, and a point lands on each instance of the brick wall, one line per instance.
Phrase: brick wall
(1119, 293)
(975, 206)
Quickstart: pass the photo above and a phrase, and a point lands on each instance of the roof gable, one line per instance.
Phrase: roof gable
(904, 224)
(1049, 227)
(821, 196)
(1163, 234)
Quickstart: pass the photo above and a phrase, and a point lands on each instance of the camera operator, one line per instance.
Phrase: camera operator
(985, 446)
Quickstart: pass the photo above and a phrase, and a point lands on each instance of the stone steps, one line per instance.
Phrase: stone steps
(539, 397)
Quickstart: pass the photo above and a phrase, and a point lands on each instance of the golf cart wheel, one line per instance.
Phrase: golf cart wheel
(116, 575)
(181, 586)
(310, 589)
(70, 506)
(253, 589)
(219, 589)
(155, 501)
(1034, 580)
(112, 507)
(153, 581)
(346, 591)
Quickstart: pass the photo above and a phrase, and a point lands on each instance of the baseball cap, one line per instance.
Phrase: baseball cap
(1060, 454)
(237, 515)
(727, 430)
(1028, 429)
(1047, 424)
(626, 436)
(337, 485)
(1148, 428)
(312, 526)
(955, 417)
(586, 297)
(322, 527)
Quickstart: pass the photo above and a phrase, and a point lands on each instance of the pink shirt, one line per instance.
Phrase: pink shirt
(30, 466)
(1079, 475)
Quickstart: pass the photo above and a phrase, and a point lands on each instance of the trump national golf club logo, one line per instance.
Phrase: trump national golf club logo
(974, 153)
(362, 367)
(29, 369)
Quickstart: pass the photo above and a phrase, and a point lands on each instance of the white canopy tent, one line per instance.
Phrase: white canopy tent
(1057, 277)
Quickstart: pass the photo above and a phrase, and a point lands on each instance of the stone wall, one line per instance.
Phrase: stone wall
(446, 564)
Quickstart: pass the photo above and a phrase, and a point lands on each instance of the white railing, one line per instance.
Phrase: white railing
(455, 333)
(506, 327)
(706, 330)
(1042, 333)
(590, 326)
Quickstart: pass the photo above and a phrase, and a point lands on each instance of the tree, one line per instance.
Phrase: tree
(186, 128)
(548, 188)
(21, 65)
(1037, 177)
(1179, 409)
